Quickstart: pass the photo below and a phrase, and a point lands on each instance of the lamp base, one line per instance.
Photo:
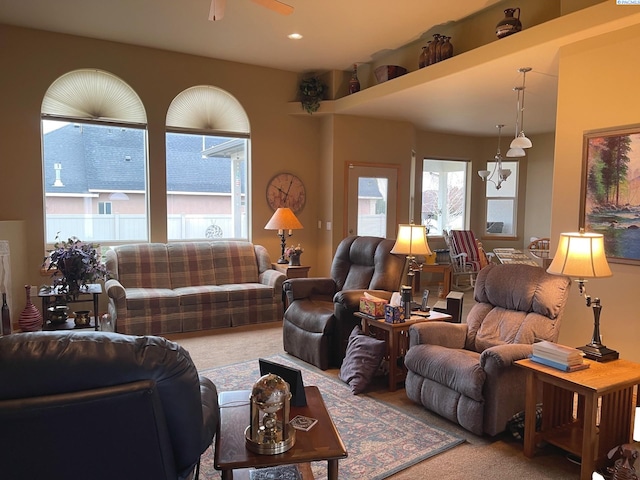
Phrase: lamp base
(282, 260)
(599, 353)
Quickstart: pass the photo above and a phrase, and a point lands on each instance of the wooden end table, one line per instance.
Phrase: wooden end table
(51, 296)
(292, 271)
(594, 429)
(322, 442)
(443, 268)
(396, 335)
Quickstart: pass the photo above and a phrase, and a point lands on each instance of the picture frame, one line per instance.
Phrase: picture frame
(293, 376)
(610, 193)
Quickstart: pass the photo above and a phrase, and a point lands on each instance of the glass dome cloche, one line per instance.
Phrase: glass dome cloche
(269, 431)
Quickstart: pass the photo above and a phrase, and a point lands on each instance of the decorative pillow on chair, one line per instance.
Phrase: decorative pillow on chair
(361, 361)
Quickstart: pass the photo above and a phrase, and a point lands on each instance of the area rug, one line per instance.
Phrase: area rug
(381, 440)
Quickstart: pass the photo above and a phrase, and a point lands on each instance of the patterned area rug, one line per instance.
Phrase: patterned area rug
(381, 440)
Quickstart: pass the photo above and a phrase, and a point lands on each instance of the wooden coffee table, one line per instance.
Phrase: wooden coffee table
(322, 442)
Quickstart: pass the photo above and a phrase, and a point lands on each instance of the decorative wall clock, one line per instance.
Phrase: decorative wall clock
(286, 190)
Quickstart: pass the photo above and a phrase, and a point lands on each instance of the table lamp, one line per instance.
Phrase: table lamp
(411, 241)
(581, 255)
(283, 219)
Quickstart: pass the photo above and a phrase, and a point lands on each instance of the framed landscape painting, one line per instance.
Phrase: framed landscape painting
(611, 191)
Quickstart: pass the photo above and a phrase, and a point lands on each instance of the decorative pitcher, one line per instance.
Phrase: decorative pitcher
(509, 24)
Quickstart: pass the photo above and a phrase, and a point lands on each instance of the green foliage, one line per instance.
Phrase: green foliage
(312, 92)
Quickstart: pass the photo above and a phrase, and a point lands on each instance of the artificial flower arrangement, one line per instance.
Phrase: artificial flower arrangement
(297, 250)
(75, 264)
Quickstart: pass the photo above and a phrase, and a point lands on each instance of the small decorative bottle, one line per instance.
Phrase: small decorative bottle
(423, 60)
(432, 48)
(5, 327)
(446, 49)
(354, 83)
(30, 319)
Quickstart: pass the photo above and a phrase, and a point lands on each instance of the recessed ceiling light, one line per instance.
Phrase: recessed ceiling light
(294, 36)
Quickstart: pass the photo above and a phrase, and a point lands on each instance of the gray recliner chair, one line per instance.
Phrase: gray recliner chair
(101, 406)
(465, 372)
(320, 317)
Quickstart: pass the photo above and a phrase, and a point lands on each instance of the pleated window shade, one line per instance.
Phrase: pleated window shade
(207, 108)
(93, 95)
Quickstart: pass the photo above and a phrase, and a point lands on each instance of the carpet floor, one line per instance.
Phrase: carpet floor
(381, 440)
(480, 457)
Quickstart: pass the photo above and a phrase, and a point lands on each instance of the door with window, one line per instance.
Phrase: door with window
(372, 198)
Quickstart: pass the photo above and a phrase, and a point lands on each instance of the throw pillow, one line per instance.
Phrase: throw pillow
(361, 361)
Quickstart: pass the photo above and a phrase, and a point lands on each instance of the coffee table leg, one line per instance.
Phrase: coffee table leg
(332, 469)
(227, 474)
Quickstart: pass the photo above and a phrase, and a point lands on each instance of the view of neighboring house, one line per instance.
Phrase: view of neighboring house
(100, 172)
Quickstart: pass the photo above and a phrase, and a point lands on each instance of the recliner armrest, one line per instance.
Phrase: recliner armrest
(501, 356)
(450, 335)
(298, 288)
(210, 411)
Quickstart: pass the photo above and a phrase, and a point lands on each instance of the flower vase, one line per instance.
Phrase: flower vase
(294, 260)
(30, 319)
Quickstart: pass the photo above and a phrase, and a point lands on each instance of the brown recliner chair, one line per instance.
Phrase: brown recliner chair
(465, 372)
(101, 406)
(320, 317)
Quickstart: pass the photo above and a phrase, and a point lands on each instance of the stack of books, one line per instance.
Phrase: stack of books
(563, 358)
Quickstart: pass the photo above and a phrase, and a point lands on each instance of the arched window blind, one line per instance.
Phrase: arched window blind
(208, 108)
(93, 95)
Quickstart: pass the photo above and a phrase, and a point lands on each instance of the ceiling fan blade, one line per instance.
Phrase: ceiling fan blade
(276, 6)
(216, 11)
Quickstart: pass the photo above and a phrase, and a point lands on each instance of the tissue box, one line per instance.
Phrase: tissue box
(393, 314)
(375, 308)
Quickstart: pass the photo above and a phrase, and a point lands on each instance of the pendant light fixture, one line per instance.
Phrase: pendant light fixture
(520, 142)
(502, 173)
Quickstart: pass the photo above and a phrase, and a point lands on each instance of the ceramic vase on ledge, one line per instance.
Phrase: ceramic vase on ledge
(30, 319)
(510, 24)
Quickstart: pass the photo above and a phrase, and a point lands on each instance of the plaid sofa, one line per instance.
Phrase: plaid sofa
(162, 288)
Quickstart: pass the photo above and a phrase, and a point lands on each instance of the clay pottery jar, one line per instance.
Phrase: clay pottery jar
(510, 24)
(423, 60)
(432, 49)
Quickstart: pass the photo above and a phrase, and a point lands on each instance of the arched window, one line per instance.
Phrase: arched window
(94, 159)
(207, 165)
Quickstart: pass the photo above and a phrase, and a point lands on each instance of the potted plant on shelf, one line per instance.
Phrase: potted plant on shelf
(75, 264)
(312, 92)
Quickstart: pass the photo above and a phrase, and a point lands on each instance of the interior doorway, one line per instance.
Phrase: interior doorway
(372, 199)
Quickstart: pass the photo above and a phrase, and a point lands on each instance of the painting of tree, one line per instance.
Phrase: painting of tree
(611, 201)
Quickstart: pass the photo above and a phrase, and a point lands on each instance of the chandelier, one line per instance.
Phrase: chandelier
(520, 142)
(501, 173)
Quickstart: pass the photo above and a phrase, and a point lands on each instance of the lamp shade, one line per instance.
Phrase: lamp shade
(516, 152)
(580, 255)
(521, 142)
(283, 219)
(411, 240)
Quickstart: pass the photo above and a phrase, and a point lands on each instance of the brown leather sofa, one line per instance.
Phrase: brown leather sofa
(320, 317)
(101, 406)
(464, 372)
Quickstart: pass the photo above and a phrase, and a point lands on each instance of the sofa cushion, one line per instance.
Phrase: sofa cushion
(234, 262)
(202, 295)
(244, 292)
(456, 369)
(361, 361)
(143, 265)
(148, 298)
(191, 264)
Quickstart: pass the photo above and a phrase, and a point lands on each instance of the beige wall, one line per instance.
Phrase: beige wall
(597, 89)
(280, 142)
